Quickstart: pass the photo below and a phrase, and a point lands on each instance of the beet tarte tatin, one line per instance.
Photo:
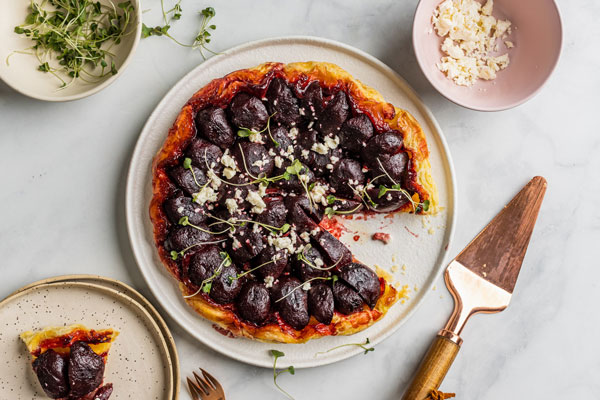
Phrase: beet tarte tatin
(253, 168)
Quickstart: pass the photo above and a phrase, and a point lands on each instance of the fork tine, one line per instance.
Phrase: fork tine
(212, 380)
(203, 384)
(196, 395)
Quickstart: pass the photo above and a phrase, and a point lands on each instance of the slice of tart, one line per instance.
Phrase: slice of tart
(246, 185)
(69, 361)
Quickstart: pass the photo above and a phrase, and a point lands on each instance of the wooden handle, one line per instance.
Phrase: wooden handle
(433, 369)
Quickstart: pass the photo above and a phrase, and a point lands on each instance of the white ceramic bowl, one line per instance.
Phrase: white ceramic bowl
(536, 34)
(21, 73)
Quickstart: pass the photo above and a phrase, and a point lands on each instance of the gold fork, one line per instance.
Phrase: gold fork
(205, 387)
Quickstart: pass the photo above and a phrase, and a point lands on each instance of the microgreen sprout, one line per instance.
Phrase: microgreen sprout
(278, 354)
(176, 254)
(246, 132)
(202, 38)
(185, 221)
(206, 284)
(330, 211)
(302, 257)
(74, 40)
(231, 278)
(322, 278)
(361, 345)
(187, 164)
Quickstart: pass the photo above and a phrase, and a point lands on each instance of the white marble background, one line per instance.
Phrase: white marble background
(62, 179)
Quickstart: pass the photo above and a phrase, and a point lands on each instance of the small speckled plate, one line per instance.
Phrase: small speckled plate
(139, 365)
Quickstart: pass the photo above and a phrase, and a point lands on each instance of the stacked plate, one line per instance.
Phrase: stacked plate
(143, 361)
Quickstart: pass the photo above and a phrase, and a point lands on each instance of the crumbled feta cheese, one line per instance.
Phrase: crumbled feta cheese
(256, 200)
(306, 286)
(318, 262)
(180, 209)
(238, 194)
(232, 205)
(303, 178)
(236, 244)
(256, 137)
(282, 242)
(319, 193)
(258, 163)
(293, 133)
(228, 161)
(269, 281)
(262, 189)
(470, 33)
(305, 153)
(229, 173)
(320, 148)
(332, 142)
(278, 161)
(207, 194)
(215, 181)
(334, 159)
(272, 152)
(315, 232)
(305, 236)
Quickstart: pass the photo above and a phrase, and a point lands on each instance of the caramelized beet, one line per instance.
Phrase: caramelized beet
(225, 287)
(355, 133)
(293, 184)
(364, 280)
(282, 103)
(211, 124)
(346, 177)
(334, 251)
(181, 206)
(86, 370)
(184, 178)
(253, 303)
(274, 214)
(304, 270)
(347, 300)
(293, 308)
(205, 155)
(301, 214)
(249, 112)
(247, 244)
(320, 303)
(277, 260)
(204, 263)
(183, 237)
(390, 201)
(280, 140)
(51, 370)
(253, 158)
(335, 114)
(312, 101)
(104, 392)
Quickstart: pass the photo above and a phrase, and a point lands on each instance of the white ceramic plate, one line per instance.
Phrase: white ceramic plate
(139, 364)
(21, 73)
(419, 245)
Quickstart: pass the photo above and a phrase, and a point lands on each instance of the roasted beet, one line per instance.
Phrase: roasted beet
(346, 177)
(311, 151)
(274, 214)
(385, 143)
(280, 140)
(184, 178)
(347, 300)
(212, 124)
(225, 287)
(333, 250)
(205, 155)
(355, 133)
(320, 303)
(293, 184)
(293, 308)
(282, 103)
(341, 204)
(247, 111)
(104, 392)
(390, 201)
(181, 206)
(277, 260)
(204, 263)
(335, 114)
(304, 269)
(364, 280)
(253, 158)
(253, 303)
(247, 244)
(239, 192)
(312, 101)
(392, 167)
(86, 370)
(183, 237)
(51, 370)
(302, 214)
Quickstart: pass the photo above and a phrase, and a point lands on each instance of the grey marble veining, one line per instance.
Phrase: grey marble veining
(62, 185)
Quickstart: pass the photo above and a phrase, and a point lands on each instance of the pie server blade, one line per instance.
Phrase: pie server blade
(481, 279)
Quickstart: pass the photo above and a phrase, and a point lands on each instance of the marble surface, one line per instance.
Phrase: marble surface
(62, 180)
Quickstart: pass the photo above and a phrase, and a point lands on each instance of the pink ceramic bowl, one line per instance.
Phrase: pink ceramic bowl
(537, 37)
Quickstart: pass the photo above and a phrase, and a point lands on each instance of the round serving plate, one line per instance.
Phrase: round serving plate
(414, 257)
(139, 363)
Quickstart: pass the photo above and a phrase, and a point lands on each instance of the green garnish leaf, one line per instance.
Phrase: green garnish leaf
(382, 191)
(44, 67)
(174, 255)
(426, 204)
(206, 288)
(187, 163)
(361, 345)
(331, 199)
(244, 132)
(277, 353)
(184, 221)
(285, 228)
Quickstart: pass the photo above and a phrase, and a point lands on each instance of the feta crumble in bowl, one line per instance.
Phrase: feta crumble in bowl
(487, 55)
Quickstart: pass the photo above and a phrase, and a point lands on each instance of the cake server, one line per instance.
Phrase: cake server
(481, 279)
